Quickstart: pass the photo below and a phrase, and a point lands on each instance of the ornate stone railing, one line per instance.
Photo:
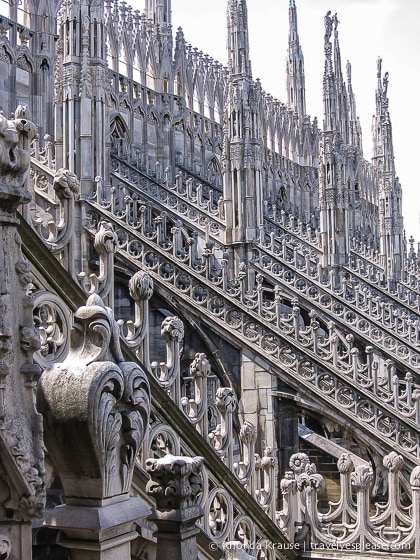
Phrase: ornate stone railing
(327, 363)
(318, 362)
(190, 200)
(226, 517)
(352, 305)
(176, 253)
(294, 242)
(350, 525)
(298, 243)
(199, 209)
(367, 259)
(219, 519)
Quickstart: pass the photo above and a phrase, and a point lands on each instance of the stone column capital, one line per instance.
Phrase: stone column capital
(175, 482)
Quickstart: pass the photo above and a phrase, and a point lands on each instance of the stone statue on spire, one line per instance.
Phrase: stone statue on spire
(385, 84)
(335, 22)
(328, 22)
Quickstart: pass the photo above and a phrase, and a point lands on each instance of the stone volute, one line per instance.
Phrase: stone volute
(96, 410)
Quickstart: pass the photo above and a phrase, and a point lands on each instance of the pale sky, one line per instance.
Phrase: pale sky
(368, 29)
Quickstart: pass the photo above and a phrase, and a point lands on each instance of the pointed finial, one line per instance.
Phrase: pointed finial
(348, 70)
(379, 72)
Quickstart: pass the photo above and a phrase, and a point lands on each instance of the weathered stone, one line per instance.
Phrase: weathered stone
(176, 484)
(96, 411)
(22, 493)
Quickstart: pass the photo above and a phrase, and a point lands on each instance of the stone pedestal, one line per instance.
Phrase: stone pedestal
(176, 484)
(96, 411)
(98, 533)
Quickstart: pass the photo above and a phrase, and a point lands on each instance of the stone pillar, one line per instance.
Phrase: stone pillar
(176, 483)
(287, 432)
(96, 411)
(22, 478)
(257, 402)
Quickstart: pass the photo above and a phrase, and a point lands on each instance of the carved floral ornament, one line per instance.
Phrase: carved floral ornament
(176, 482)
(96, 409)
(27, 497)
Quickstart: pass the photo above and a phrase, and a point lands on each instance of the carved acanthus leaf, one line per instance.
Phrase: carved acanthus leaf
(96, 409)
(27, 497)
(176, 482)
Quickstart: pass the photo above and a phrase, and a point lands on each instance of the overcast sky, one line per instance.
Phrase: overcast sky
(368, 29)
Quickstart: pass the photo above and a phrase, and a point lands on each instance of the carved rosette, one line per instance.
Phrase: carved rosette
(96, 410)
(175, 482)
(298, 462)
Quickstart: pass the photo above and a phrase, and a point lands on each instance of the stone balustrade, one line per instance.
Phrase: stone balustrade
(350, 524)
(143, 230)
(171, 254)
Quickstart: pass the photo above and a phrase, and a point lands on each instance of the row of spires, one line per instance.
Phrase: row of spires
(341, 130)
(339, 99)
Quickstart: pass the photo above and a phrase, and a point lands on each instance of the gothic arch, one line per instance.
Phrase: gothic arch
(6, 52)
(119, 132)
(46, 64)
(214, 173)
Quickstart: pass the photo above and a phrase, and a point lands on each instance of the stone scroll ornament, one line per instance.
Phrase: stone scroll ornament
(96, 410)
